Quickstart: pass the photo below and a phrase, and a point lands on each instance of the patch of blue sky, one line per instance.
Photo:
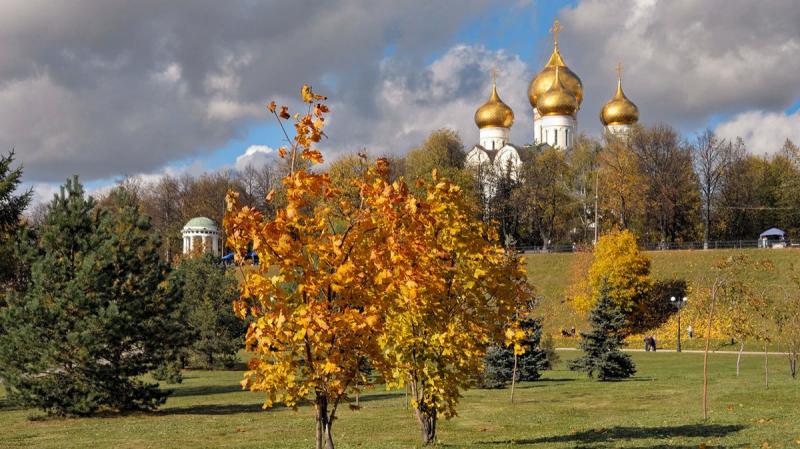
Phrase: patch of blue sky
(517, 27)
(793, 108)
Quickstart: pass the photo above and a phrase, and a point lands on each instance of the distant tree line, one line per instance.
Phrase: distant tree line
(664, 188)
(653, 182)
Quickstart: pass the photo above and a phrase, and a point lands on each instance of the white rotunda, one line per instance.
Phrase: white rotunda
(201, 233)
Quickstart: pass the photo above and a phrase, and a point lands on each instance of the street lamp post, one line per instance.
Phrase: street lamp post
(679, 303)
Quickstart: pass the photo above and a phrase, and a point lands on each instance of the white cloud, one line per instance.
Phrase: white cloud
(230, 110)
(409, 103)
(685, 61)
(255, 155)
(763, 132)
(43, 193)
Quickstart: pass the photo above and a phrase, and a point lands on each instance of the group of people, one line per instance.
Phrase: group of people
(650, 343)
(569, 333)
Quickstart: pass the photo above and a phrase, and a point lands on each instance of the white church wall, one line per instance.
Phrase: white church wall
(493, 138)
(558, 131)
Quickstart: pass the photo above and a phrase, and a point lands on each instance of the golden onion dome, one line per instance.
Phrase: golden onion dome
(542, 82)
(619, 110)
(494, 113)
(557, 100)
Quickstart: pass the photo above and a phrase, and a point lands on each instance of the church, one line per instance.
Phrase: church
(555, 95)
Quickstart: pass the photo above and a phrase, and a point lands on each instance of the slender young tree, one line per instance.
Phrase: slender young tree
(499, 361)
(727, 288)
(788, 326)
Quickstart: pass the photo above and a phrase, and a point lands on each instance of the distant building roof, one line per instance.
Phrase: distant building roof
(201, 222)
(772, 232)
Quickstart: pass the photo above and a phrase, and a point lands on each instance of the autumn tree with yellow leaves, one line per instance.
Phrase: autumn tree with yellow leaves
(412, 283)
(461, 292)
(315, 311)
(618, 266)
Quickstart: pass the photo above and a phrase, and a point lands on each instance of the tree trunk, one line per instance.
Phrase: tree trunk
(514, 377)
(324, 438)
(707, 222)
(793, 364)
(739, 357)
(427, 423)
(705, 352)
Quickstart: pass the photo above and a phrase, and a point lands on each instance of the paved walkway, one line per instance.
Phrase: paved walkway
(691, 351)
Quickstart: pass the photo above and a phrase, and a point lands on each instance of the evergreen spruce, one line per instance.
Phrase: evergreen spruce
(499, 360)
(11, 207)
(551, 358)
(215, 333)
(498, 367)
(535, 360)
(93, 317)
(601, 346)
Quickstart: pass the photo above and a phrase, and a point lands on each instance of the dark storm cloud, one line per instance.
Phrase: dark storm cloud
(104, 88)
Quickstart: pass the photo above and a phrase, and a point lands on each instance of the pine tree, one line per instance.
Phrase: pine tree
(601, 346)
(215, 334)
(11, 207)
(93, 318)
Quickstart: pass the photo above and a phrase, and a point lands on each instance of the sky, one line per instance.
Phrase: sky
(107, 89)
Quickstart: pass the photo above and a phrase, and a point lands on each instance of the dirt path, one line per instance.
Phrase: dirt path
(691, 351)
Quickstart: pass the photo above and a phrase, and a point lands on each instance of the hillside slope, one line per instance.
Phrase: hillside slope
(552, 274)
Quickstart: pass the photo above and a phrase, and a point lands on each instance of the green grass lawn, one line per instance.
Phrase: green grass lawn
(659, 408)
(552, 274)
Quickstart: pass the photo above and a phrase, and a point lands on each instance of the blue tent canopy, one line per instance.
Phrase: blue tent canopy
(772, 232)
(251, 255)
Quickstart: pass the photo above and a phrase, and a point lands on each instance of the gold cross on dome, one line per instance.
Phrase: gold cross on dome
(619, 70)
(555, 30)
(494, 76)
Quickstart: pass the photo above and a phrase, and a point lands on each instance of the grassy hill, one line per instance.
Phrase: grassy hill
(552, 274)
